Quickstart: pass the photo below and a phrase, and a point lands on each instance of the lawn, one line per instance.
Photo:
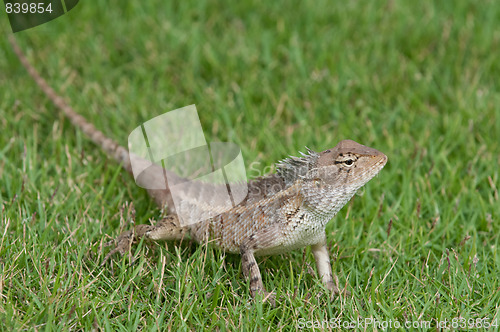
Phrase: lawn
(418, 81)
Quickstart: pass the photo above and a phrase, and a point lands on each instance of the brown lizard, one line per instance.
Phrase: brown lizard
(282, 212)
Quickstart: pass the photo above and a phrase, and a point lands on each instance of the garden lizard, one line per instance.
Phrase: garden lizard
(283, 211)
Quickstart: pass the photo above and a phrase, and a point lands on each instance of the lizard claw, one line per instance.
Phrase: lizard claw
(270, 297)
(336, 292)
(122, 245)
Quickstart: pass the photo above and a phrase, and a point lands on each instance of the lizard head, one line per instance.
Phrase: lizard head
(349, 164)
(330, 178)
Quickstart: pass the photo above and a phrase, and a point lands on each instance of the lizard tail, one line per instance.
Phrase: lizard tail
(162, 197)
(112, 148)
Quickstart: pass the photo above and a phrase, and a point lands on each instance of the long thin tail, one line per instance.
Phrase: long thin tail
(111, 147)
(162, 197)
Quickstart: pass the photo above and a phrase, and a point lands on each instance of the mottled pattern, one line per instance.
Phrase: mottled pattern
(282, 212)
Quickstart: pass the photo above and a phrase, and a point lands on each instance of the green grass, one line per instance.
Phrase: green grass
(416, 80)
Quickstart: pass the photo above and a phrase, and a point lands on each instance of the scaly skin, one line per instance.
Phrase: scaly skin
(282, 212)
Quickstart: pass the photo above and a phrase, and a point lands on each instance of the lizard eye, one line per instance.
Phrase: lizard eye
(349, 162)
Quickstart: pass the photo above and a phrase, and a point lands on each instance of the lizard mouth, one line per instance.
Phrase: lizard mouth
(379, 163)
(382, 161)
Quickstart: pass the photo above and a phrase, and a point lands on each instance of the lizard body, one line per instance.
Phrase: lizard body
(282, 212)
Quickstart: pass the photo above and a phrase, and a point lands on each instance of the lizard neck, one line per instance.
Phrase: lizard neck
(322, 204)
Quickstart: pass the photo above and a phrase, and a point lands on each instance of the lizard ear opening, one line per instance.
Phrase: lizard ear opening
(292, 168)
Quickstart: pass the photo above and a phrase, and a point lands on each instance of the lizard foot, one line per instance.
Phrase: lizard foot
(166, 229)
(336, 292)
(269, 297)
(122, 245)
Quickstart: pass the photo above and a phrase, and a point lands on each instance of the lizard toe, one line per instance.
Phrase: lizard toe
(270, 297)
(122, 245)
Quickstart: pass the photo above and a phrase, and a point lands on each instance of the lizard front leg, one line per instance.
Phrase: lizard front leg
(266, 238)
(322, 258)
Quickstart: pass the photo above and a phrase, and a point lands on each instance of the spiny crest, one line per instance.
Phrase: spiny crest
(292, 168)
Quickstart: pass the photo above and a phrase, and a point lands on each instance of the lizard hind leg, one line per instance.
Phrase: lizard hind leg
(167, 228)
